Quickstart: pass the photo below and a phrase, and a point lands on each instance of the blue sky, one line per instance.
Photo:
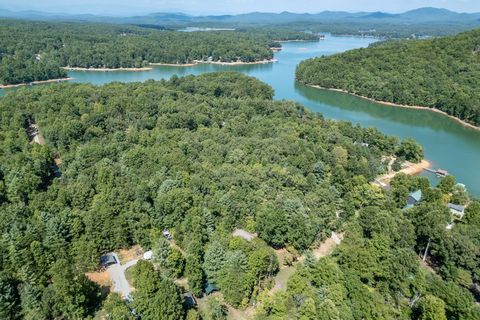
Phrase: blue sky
(131, 7)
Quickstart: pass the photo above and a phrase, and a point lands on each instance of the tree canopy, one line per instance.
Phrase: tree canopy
(32, 51)
(441, 73)
(203, 156)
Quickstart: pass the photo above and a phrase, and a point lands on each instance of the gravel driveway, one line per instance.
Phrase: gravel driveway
(117, 275)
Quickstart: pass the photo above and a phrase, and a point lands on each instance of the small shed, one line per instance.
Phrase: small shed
(107, 260)
(457, 210)
(189, 300)
(211, 287)
(414, 197)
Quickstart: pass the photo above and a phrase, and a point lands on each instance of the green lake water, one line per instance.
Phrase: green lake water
(448, 145)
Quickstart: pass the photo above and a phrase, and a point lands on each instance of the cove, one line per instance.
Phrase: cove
(447, 144)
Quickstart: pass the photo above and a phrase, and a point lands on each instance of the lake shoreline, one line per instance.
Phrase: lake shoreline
(288, 41)
(416, 168)
(392, 104)
(160, 64)
(197, 62)
(410, 169)
(7, 86)
(239, 63)
(106, 69)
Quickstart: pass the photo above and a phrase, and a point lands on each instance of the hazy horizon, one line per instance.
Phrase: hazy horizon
(125, 8)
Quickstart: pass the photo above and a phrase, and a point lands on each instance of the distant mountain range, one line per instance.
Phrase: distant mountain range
(445, 21)
(413, 16)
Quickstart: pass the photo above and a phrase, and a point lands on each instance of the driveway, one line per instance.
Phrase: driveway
(117, 275)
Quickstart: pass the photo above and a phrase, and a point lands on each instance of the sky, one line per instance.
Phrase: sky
(133, 7)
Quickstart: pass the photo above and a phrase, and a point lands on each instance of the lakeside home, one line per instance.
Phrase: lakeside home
(458, 211)
(413, 199)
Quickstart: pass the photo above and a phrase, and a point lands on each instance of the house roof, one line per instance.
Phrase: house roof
(416, 195)
(210, 288)
(189, 299)
(107, 259)
(456, 207)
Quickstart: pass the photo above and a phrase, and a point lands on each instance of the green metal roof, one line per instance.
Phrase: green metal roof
(211, 287)
(417, 195)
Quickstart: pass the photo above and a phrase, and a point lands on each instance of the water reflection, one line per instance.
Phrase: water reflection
(410, 117)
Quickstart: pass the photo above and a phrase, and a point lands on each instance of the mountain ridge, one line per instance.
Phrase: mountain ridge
(428, 13)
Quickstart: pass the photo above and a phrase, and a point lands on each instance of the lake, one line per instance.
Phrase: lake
(447, 144)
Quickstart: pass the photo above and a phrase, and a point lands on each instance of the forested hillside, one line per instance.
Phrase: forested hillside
(202, 156)
(441, 73)
(199, 156)
(32, 51)
(376, 272)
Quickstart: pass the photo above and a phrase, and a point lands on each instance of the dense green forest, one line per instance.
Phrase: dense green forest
(375, 273)
(202, 156)
(32, 51)
(441, 73)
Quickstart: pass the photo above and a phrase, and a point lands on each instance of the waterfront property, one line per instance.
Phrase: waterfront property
(458, 211)
(414, 197)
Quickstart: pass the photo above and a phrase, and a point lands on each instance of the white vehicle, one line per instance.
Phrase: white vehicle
(148, 255)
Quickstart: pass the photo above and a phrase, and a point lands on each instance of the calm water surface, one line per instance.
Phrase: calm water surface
(447, 144)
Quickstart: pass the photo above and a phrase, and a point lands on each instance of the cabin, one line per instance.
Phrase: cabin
(414, 197)
(107, 260)
(458, 211)
(189, 300)
(244, 234)
(210, 288)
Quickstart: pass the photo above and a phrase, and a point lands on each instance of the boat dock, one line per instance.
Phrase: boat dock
(440, 173)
